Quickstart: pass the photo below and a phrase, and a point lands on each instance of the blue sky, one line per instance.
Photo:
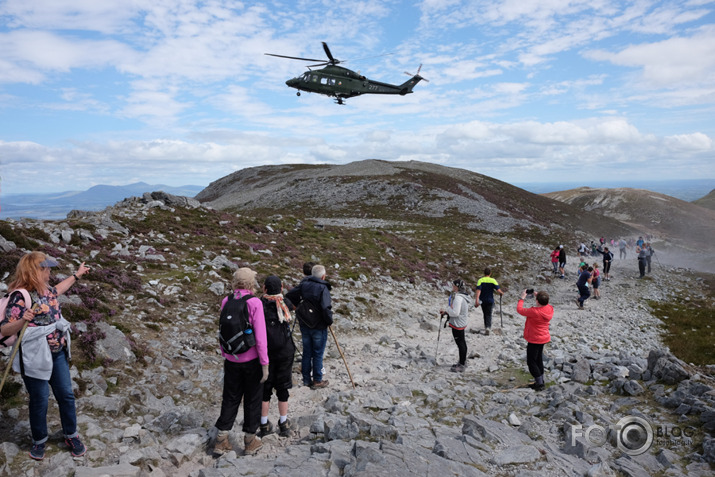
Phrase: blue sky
(180, 92)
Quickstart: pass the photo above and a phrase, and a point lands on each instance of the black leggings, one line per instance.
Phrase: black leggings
(606, 267)
(461, 344)
(535, 359)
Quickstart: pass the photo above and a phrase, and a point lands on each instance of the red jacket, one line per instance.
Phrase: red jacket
(538, 318)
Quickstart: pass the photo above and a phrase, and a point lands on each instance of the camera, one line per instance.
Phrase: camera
(530, 291)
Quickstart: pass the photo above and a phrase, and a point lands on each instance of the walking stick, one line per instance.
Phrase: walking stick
(439, 331)
(342, 355)
(501, 317)
(12, 355)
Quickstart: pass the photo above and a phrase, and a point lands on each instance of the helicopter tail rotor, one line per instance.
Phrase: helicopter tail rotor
(417, 74)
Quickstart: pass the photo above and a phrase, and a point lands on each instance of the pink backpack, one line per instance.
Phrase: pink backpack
(8, 341)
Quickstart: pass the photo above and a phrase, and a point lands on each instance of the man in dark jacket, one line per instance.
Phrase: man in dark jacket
(314, 291)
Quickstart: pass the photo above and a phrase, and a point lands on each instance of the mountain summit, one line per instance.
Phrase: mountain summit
(412, 192)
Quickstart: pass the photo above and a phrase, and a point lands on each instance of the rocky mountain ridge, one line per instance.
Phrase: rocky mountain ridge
(669, 219)
(161, 264)
(413, 191)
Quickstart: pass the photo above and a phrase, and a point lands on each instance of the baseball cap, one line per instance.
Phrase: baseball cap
(48, 262)
(273, 285)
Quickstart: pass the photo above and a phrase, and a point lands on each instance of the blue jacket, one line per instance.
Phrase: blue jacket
(316, 292)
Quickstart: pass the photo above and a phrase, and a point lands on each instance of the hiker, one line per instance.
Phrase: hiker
(622, 244)
(642, 260)
(582, 250)
(244, 373)
(649, 255)
(315, 292)
(281, 351)
(44, 352)
(555, 260)
(486, 286)
(562, 260)
(607, 259)
(596, 281)
(458, 313)
(536, 334)
(584, 279)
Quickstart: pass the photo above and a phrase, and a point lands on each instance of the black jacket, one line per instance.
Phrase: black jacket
(317, 292)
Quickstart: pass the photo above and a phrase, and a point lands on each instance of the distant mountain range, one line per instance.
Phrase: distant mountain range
(58, 205)
(684, 189)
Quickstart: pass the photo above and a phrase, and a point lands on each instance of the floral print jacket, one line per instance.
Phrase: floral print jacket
(47, 311)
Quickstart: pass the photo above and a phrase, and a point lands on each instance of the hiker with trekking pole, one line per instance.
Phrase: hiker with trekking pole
(42, 349)
(315, 315)
(486, 286)
(457, 312)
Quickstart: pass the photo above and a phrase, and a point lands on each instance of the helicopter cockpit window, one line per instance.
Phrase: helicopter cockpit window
(323, 80)
(314, 78)
(331, 81)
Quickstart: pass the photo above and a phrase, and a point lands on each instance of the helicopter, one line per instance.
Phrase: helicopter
(342, 83)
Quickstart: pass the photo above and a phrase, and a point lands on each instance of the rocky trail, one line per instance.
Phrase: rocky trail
(409, 415)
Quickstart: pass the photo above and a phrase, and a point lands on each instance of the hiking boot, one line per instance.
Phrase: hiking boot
(539, 387)
(308, 383)
(77, 449)
(266, 429)
(486, 332)
(457, 368)
(38, 451)
(252, 444)
(222, 445)
(285, 428)
(319, 384)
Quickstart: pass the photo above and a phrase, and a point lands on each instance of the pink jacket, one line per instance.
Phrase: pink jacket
(538, 318)
(258, 322)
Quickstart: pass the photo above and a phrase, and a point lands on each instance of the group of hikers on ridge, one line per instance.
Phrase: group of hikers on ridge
(41, 352)
(264, 367)
(536, 326)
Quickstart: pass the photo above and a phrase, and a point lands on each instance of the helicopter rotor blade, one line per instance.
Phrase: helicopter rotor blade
(330, 55)
(294, 57)
(417, 74)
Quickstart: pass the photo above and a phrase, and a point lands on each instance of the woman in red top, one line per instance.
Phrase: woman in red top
(536, 334)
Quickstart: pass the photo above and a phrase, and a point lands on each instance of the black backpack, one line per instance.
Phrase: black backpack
(278, 335)
(235, 333)
(309, 314)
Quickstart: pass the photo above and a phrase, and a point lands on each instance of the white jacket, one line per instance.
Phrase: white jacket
(458, 311)
(36, 354)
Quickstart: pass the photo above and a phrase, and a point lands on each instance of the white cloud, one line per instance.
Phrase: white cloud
(669, 63)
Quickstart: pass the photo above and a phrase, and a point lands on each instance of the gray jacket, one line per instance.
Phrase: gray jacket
(36, 354)
(458, 311)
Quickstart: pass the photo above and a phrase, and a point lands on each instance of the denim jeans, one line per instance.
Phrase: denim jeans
(314, 342)
(39, 392)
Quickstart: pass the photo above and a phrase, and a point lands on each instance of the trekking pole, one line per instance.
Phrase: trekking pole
(342, 355)
(12, 355)
(501, 317)
(439, 331)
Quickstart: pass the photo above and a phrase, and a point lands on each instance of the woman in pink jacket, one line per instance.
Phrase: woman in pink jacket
(536, 334)
(244, 373)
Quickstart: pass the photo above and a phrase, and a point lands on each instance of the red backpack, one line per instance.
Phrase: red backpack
(8, 341)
